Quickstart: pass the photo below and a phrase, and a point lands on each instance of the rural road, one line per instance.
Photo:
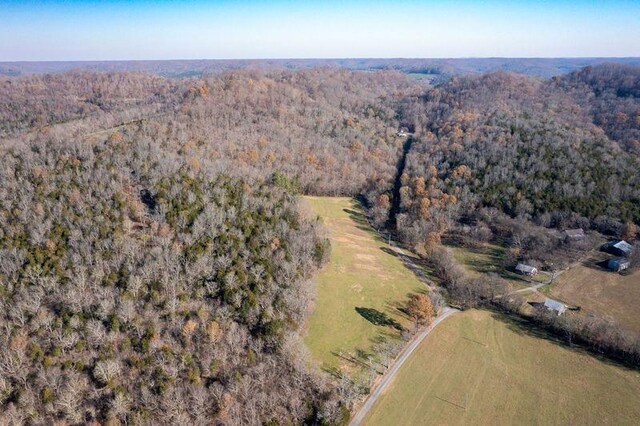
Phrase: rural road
(404, 355)
(538, 286)
(531, 288)
(415, 341)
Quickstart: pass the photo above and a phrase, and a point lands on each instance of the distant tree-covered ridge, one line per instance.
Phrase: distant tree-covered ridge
(332, 130)
(37, 101)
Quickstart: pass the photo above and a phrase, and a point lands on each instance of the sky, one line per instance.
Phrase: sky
(42, 30)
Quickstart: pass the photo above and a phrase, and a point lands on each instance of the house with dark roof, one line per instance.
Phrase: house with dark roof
(618, 264)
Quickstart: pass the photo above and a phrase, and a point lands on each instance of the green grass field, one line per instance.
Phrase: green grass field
(488, 258)
(358, 292)
(480, 368)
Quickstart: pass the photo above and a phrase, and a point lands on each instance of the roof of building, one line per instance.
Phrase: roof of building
(623, 245)
(619, 260)
(525, 268)
(554, 305)
(574, 233)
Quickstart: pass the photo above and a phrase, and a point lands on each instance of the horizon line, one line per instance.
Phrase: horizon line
(324, 58)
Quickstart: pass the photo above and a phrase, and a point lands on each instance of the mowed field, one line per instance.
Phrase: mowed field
(358, 292)
(477, 367)
(594, 289)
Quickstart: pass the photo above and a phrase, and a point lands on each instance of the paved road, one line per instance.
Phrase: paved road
(404, 355)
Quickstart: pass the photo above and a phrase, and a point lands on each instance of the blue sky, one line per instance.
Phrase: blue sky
(195, 29)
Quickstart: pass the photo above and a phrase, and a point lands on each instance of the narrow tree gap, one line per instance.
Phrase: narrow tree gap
(397, 184)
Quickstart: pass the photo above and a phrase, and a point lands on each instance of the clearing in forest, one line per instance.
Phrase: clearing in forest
(611, 295)
(488, 258)
(483, 368)
(358, 292)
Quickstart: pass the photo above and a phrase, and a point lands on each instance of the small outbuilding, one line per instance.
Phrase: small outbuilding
(523, 269)
(618, 264)
(574, 234)
(618, 248)
(554, 305)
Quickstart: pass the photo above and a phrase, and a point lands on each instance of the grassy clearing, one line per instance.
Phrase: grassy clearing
(488, 258)
(481, 368)
(595, 289)
(423, 78)
(358, 292)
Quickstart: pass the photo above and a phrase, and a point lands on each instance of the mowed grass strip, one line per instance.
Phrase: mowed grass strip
(608, 294)
(478, 367)
(358, 291)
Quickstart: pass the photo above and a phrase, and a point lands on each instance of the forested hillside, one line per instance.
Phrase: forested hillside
(41, 100)
(154, 264)
(331, 131)
(521, 145)
(611, 96)
(137, 288)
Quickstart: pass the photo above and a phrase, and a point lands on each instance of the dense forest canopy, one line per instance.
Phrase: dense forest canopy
(39, 100)
(137, 288)
(525, 146)
(155, 264)
(611, 96)
(331, 130)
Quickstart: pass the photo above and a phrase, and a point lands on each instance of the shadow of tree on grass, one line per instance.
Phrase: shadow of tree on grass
(361, 223)
(376, 317)
(522, 326)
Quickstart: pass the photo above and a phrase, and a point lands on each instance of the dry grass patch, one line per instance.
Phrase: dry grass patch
(608, 294)
(482, 368)
(361, 283)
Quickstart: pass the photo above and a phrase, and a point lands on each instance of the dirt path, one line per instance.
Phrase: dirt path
(530, 288)
(411, 264)
(554, 276)
(404, 355)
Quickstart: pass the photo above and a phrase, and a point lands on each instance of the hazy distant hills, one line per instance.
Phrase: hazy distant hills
(541, 67)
